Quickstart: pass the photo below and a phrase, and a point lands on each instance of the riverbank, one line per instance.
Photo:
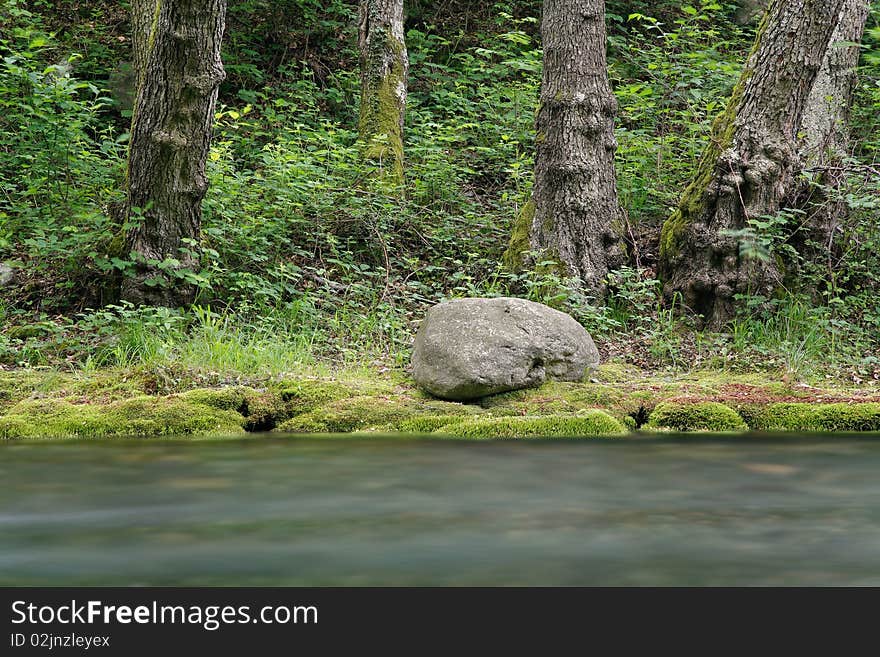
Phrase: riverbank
(618, 399)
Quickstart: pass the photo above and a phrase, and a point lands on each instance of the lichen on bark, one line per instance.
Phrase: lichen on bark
(384, 70)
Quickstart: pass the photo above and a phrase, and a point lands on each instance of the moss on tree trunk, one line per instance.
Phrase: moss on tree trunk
(747, 168)
(384, 68)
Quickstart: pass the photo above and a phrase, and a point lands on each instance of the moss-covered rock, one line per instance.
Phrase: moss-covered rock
(141, 416)
(107, 403)
(369, 412)
(589, 423)
(701, 416)
(304, 395)
(555, 397)
(164, 416)
(266, 410)
(425, 423)
(224, 399)
(262, 411)
(848, 417)
(815, 417)
(51, 418)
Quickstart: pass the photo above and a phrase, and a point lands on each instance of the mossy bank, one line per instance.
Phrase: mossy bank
(621, 400)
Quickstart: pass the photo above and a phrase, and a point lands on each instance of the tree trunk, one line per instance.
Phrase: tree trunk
(170, 138)
(142, 14)
(748, 166)
(384, 68)
(825, 132)
(573, 217)
(826, 116)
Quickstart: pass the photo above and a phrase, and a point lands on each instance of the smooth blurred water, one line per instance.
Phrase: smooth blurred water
(294, 511)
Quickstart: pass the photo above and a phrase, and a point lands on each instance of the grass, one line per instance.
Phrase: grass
(799, 337)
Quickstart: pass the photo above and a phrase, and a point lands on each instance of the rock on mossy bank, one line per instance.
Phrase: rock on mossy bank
(618, 401)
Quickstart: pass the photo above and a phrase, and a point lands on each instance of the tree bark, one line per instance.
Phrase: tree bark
(384, 68)
(573, 217)
(825, 133)
(748, 167)
(142, 14)
(170, 138)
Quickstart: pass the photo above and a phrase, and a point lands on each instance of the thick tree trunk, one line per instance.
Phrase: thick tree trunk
(748, 166)
(825, 132)
(170, 137)
(384, 68)
(573, 218)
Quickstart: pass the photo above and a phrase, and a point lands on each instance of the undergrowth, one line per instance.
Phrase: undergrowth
(304, 264)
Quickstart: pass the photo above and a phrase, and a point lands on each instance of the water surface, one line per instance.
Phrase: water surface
(294, 511)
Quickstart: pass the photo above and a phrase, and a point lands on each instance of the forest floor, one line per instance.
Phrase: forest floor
(615, 400)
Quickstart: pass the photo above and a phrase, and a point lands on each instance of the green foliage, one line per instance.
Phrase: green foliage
(304, 262)
(60, 166)
(766, 237)
(672, 75)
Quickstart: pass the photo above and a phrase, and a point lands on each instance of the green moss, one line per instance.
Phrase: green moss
(380, 126)
(425, 423)
(224, 399)
(557, 397)
(848, 417)
(265, 411)
(702, 416)
(369, 412)
(519, 238)
(307, 394)
(141, 416)
(50, 418)
(615, 373)
(801, 416)
(166, 416)
(589, 423)
(779, 417)
(17, 386)
(52, 404)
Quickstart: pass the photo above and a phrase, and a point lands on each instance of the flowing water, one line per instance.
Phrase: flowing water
(384, 511)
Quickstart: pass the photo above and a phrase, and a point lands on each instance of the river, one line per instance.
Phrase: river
(676, 510)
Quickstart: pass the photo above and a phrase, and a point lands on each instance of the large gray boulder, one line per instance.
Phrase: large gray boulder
(470, 348)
